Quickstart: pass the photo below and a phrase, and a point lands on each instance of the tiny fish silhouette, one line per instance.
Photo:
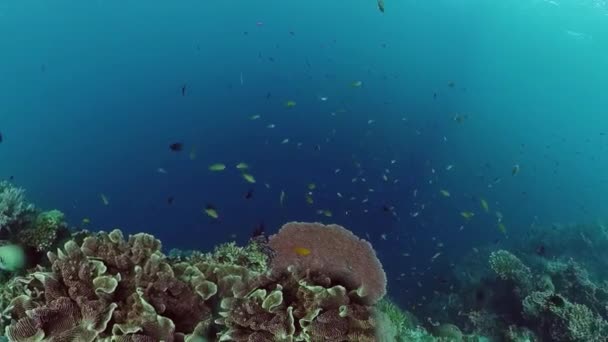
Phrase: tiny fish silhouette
(176, 147)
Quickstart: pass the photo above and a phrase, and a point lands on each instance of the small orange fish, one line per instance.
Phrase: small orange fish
(301, 251)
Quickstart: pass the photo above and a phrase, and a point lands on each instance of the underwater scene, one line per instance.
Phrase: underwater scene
(278, 171)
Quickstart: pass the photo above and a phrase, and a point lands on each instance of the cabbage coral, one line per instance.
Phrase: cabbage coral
(300, 307)
(107, 288)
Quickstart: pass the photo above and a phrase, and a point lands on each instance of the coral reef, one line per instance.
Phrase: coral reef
(105, 287)
(335, 251)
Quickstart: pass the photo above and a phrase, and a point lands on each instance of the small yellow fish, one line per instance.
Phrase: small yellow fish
(502, 228)
(104, 199)
(211, 212)
(86, 220)
(217, 167)
(327, 213)
(484, 205)
(255, 117)
(312, 186)
(282, 198)
(435, 256)
(290, 104)
(467, 214)
(515, 170)
(242, 166)
(445, 193)
(249, 178)
(498, 216)
(309, 199)
(357, 84)
(301, 251)
(460, 118)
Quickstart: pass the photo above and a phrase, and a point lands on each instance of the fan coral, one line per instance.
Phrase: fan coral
(299, 307)
(14, 210)
(335, 251)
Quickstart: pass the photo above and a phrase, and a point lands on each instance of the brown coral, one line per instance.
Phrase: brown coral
(336, 251)
(300, 307)
(108, 288)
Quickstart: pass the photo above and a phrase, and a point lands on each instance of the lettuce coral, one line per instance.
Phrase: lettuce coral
(335, 251)
(108, 288)
(297, 306)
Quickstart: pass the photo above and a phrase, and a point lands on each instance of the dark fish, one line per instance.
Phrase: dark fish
(434, 96)
(292, 33)
(258, 230)
(1, 137)
(480, 296)
(245, 33)
(317, 147)
(271, 59)
(170, 200)
(176, 147)
(268, 95)
(249, 194)
(184, 90)
(11, 178)
(451, 84)
(388, 208)
(540, 250)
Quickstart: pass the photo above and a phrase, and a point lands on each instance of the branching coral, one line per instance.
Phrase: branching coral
(42, 234)
(335, 251)
(562, 320)
(509, 267)
(14, 210)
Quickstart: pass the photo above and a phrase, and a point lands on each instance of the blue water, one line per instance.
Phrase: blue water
(90, 99)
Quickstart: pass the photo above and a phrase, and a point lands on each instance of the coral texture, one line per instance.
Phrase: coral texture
(335, 251)
(509, 267)
(297, 307)
(107, 288)
(14, 210)
(562, 320)
(43, 233)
